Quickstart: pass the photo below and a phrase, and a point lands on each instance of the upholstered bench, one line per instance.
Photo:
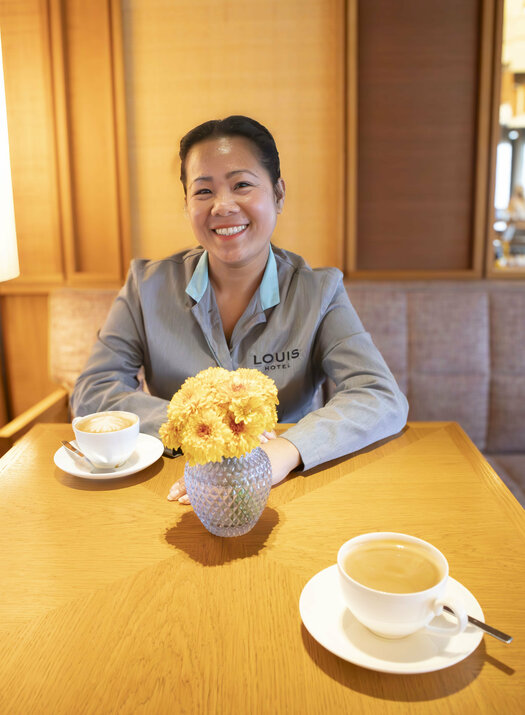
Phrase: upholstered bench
(457, 349)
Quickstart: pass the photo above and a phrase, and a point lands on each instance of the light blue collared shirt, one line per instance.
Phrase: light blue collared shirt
(269, 288)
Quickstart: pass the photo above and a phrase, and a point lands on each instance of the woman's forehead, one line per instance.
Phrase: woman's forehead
(221, 155)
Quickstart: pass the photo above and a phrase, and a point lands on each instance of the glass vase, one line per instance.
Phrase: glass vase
(229, 496)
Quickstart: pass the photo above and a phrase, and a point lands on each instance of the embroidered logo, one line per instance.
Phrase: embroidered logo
(276, 361)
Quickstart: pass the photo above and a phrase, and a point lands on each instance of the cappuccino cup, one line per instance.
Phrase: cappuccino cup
(107, 438)
(395, 585)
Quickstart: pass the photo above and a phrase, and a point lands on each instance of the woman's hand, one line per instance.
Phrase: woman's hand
(178, 492)
(283, 456)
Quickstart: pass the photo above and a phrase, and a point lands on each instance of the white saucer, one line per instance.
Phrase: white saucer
(147, 451)
(329, 621)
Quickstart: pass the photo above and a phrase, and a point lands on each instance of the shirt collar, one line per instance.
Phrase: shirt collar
(199, 280)
(268, 290)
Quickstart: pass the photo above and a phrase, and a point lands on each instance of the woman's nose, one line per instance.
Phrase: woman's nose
(224, 205)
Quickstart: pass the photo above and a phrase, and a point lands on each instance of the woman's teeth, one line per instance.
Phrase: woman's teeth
(230, 231)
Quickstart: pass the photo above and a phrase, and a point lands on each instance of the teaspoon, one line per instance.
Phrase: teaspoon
(484, 627)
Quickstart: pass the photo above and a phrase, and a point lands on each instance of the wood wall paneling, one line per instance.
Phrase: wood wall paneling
(482, 198)
(24, 319)
(83, 43)
(63, 64)
(418, 133)
(4, 405)
(280, 61)
(28, 83)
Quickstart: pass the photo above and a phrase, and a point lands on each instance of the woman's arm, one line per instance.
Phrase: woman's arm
(109, 380)
(367, 404)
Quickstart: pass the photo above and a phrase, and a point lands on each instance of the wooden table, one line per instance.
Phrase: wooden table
(114, 600)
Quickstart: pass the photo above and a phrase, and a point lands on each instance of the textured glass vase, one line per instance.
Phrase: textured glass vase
(229, 496)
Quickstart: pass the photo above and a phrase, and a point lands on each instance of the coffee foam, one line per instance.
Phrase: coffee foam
(105, 422)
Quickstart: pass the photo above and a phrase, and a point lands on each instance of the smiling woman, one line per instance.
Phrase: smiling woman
(237, 301)
(231, 177)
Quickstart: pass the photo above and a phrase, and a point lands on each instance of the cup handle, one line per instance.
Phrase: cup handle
(458, 611)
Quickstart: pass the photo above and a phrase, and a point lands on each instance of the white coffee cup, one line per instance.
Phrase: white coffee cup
(413, 565)
(107, 438)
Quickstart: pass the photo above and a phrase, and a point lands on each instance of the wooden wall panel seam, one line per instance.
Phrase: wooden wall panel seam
(350, 210)
(62, 132)
(490, 271)
(120, 133)
(412, 275)
(484, 119)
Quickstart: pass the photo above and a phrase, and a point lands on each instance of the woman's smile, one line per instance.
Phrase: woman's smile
(228, 232)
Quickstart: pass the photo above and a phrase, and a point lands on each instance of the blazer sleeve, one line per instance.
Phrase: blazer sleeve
(109, 380)
(367, 404)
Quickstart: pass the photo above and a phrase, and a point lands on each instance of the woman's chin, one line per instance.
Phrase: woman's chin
(239, 254)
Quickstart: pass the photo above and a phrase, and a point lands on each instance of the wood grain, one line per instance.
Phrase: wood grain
(52, 408)
(281, 62)
(418, 161)
(115, 600)
(29, 99)
(24, 321)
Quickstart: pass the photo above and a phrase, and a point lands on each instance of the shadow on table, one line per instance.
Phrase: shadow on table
(387, 686)
(103, 485)
(190, 536)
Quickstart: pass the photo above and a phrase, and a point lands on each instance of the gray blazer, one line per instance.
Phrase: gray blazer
(299, 328)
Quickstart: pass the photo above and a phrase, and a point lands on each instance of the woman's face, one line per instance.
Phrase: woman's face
(232, 205)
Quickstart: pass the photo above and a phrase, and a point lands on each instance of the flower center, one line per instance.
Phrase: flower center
(204, 430)
(237, 427)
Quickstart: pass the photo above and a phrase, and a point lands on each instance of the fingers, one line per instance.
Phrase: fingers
(178, 492)
(265, 436)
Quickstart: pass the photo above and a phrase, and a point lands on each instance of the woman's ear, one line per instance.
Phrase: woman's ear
(280, 191)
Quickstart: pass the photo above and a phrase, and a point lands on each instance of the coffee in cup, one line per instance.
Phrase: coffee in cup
(107, 438)
(106, 422)
(394, 584)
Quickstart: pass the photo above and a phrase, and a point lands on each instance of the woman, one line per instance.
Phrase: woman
(236, 301)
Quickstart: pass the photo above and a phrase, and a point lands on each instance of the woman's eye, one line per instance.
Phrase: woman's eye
(242, 184)
(200, 192)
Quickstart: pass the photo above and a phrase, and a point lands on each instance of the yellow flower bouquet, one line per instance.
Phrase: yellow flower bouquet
(220, 413)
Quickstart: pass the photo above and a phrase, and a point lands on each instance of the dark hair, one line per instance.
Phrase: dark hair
(234, 126)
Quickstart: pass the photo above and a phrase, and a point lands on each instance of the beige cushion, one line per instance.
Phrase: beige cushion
(506, 429)
(449, 360)
(384, 316)
(75, 317)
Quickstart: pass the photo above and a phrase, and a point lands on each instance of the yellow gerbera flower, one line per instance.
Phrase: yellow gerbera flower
(220, 413)
(204, 437)
(170, 435)
(241, 439)
(256, 382)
